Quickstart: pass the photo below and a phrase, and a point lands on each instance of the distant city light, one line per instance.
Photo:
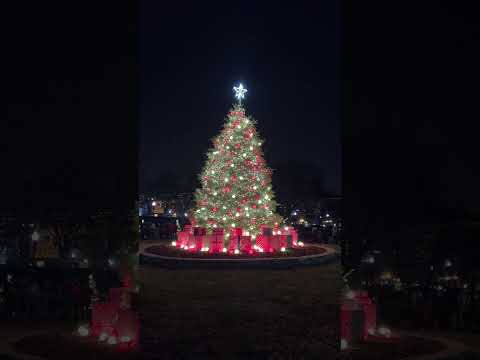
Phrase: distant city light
(154, 203)
(35, 236)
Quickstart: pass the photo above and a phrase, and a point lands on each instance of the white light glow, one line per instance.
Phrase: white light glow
(83, 330)
(174, 243)
(125, 339)
(237, 251)
(240, 92)
(384, 331)
(103, 336)
(282, 249)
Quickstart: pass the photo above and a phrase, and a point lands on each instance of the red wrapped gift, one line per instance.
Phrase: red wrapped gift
(127, 326)
(204, 241)
(187, 228)
(234, 243)
(278, 241)
(199, 231)
(238, 231)
(216, 243)
(245, 243)
(120, 298)
(351, 322)
(263, 242)
(370, 311)
(182, 238)
(103, 316)
(294, 234)
(194, 242)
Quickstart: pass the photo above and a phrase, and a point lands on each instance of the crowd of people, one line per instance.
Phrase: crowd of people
(41, 295)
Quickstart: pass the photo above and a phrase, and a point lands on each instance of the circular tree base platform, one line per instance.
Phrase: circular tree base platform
(170, 257)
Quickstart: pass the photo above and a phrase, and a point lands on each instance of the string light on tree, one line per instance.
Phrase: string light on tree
(235, 180)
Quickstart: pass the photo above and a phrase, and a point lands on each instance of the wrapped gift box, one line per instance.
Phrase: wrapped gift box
(245, 243)
(263, 242)
(199, 231)
(215, 243)
(182, 238)
(195, 242)
(234, 242)
(289, 240)
(120, 298)
(351, 322)
(278, 241)
(238, 232)
(294, 234)
(127, 328)
(370, 311)
(188, 228)
(103, 316)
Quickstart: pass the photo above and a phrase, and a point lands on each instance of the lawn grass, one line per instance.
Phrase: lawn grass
(241, 313)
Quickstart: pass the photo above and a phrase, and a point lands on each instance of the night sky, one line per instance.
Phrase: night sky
(190, 58)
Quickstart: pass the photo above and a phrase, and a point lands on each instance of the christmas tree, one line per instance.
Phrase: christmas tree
(236, 182)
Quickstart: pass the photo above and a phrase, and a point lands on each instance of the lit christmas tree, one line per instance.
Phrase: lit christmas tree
(236, 182)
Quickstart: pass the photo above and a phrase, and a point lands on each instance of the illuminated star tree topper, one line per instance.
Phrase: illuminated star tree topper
(239, 92)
